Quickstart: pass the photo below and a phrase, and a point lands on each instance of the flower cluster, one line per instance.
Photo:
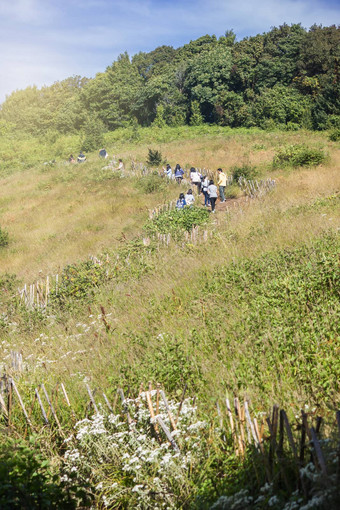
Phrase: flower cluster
(129, 458)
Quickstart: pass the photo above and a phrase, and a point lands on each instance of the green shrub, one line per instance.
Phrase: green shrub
(80, 281)
(155, 158)
(232, 191)
(26, 481)
(334, 135)
(177, 221)
(151, 183)
(246, 170)
(298, 155)
(3, 237)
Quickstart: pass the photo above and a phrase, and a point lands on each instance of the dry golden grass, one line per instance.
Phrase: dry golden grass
(60, 216)
(282, 219)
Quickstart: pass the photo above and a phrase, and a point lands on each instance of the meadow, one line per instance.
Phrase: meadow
(252, 312)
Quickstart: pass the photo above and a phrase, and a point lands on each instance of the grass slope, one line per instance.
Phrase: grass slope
(254, 311)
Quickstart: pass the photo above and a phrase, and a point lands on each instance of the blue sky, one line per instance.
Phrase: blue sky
(42, 41)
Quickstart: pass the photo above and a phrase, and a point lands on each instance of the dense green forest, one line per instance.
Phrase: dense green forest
(287, 77)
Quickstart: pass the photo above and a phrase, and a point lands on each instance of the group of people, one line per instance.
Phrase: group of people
(203, 185)
(81, 158)
(178, 173)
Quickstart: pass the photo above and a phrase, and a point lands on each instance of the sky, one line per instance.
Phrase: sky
(43, 41)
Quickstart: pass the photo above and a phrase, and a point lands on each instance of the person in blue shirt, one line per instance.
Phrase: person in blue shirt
(181, 203)
(103, 153)
(179, 172)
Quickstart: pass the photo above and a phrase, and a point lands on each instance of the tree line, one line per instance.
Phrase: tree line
(287, 77)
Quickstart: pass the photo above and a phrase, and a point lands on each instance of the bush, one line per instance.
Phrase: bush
(177, 221)
(155, 158)
(298, 155)
(246, 170)
(26, 481)
(151, 183)
(80, 281)
(3, 237)
(128, 467)
(232, 191)
(334, 135)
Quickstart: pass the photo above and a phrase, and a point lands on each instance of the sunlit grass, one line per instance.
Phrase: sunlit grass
(62, 214)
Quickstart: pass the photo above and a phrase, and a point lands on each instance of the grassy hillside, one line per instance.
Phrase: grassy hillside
(58, 214)
(254, 311)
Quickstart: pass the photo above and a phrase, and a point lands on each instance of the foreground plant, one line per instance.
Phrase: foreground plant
(130, 463)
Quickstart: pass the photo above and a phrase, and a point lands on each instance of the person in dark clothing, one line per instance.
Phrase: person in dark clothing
(205, 184)
(81, 158)
(103, 153)
(212, 192)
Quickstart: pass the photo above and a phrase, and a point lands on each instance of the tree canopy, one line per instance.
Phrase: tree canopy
(288, 77)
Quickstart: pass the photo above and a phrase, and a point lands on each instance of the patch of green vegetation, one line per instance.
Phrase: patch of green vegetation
(247, 171)
(329, 202)
(287, 307)
(298, 155)
(152, 183)
(177, 221)
(334, 135)
(27, 481)
(4, 237)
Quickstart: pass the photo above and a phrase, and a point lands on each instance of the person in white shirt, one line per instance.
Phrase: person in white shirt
(168, 171)
(195, 179)
(189, 197)
(120, 167)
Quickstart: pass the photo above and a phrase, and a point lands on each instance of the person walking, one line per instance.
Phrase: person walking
(222, 182)
(205, 185)
(195, 179)
(179, 172)
(168, 171)
(212, 192)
